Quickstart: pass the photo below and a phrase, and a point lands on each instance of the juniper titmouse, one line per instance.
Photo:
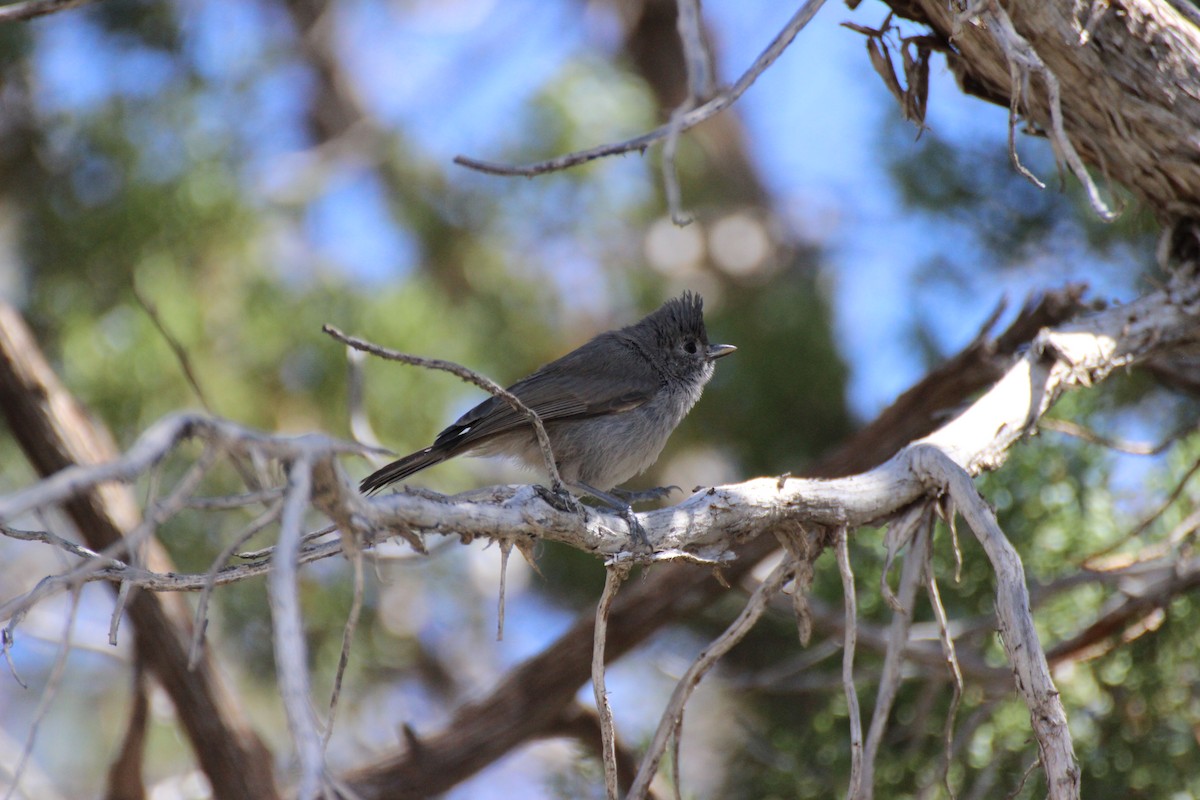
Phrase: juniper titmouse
(608, 406)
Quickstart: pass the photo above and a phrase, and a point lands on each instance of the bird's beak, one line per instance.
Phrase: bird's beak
(716, 351)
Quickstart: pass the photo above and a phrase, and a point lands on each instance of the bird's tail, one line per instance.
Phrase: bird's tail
(402, 468)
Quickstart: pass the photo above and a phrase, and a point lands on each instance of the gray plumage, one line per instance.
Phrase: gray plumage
(608, 406)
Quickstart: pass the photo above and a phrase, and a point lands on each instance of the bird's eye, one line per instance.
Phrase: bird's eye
(690, 347)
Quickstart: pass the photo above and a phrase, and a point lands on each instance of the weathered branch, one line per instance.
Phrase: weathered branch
(1131, 117)
(32, 9)
(710, 109)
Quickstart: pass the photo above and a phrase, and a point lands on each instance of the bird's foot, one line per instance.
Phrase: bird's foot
(560, 500)
(636, 531)
(625, 510)
(644, 495)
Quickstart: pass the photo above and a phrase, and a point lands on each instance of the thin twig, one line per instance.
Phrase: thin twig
(48, 694)
(939, 613)
(356, 559)
(693, 118)
(235, 500)
(356, 404)
(670, 169)
(265, 552)
(698, 63)
(1150, 518)
(1023, 60)
(469, 375)
(31, 9)
(696, 55)
(852, 710)
(177, 348)
(1070, 428)
(291, 662)
(54, 540)
(676, 778)
(614, 575)
(505, 550)
(1024, 777)
(200, 621)
(898, 635)
(737, 630)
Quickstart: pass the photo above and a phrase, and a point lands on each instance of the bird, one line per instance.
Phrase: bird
(608, 407)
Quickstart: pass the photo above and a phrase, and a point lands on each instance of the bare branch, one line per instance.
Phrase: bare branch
(1017, 631)
(915, 564)
(48, 694)
(31, 9)
(200, 623)
(291, 661)
(177, 348)
(951, 654)
(470, 376)
(614, 576)
(854, 790)
(689, 120)
(673, 714)
(356, 559)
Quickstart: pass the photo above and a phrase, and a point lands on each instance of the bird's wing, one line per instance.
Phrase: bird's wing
(577, 385)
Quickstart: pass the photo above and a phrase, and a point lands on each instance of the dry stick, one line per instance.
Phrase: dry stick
(893, 661)
(851, 603)
(939, 613)
(737, 630)
(105, 568)
(1150, 519)
(698, 63)
(614, 575)
(52, 539)
(689, 120)
(1017, 631)
(290, 652)
(153, 445)
(266, 552)
(1023, 60)
(30, 9)
(158, 514)
(1014, 110)
(697, 58)
(1069, 428)
(676, 778)
(1024, 777)
(360, 423)
(48, 694)
(181, 355)
(347, 637)
(465, 374)
(190, 375)
(227, 502)
(505, 551)
(669, 168)
(14, 610)
(200, 621)
(900, 532)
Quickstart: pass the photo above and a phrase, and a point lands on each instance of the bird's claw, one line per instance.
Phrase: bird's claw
(636, 532)
(560, 500)
(645, 495)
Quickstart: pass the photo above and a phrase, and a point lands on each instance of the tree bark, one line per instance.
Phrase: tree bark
(1129, 79)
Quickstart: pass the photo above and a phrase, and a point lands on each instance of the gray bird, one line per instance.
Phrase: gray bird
(608, 406)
